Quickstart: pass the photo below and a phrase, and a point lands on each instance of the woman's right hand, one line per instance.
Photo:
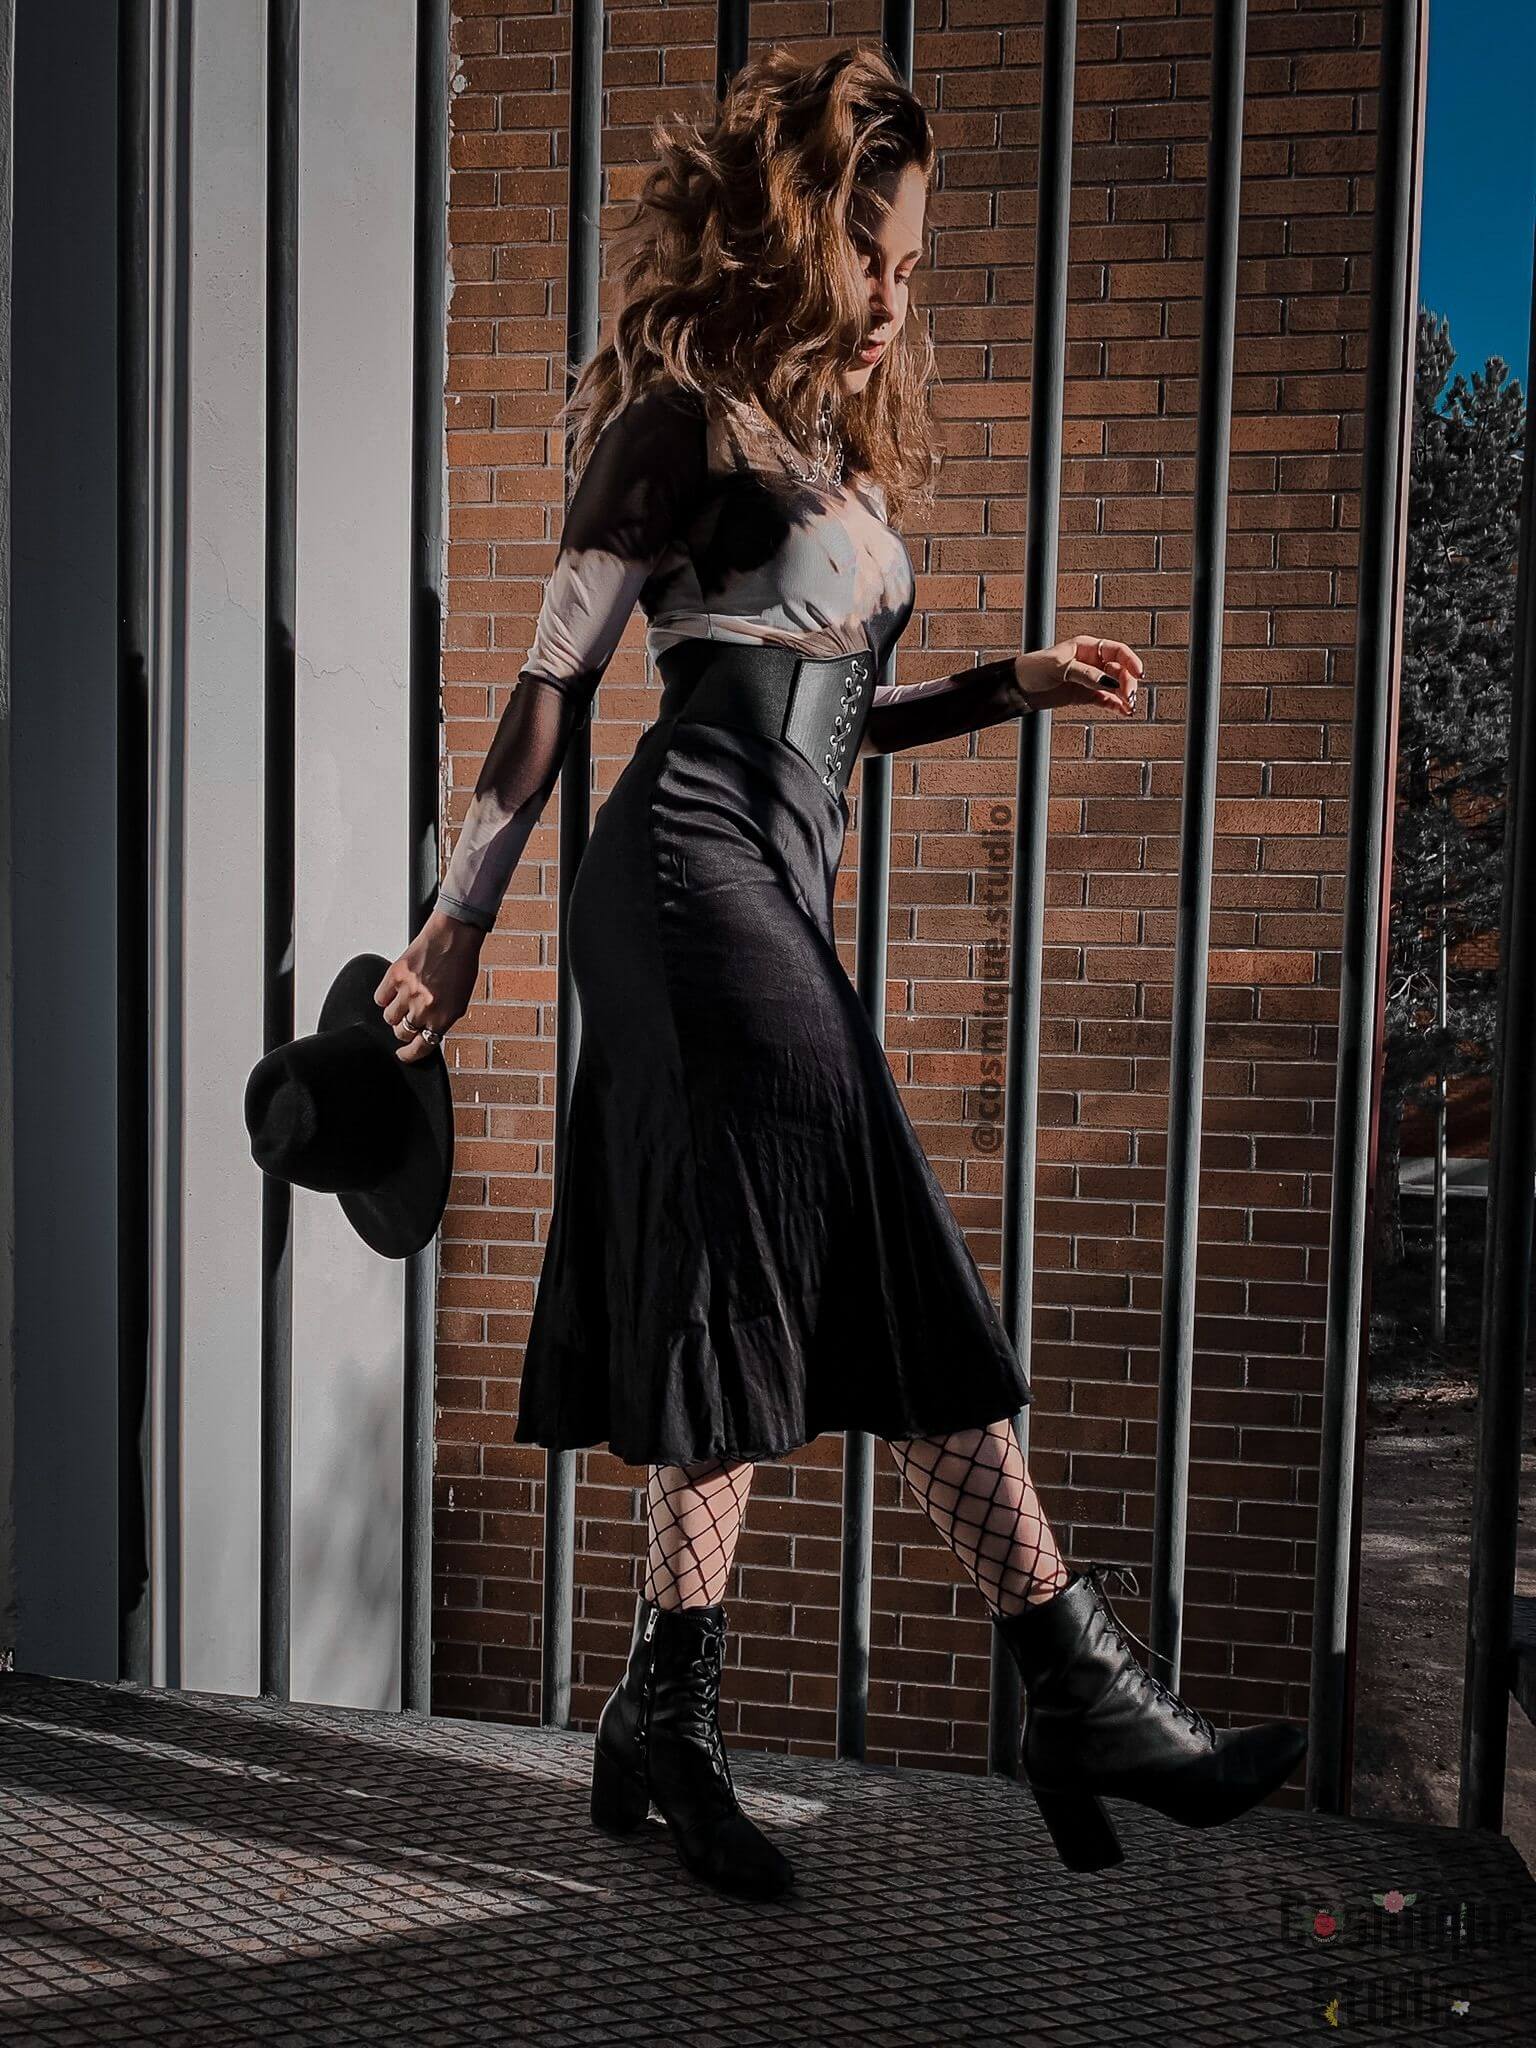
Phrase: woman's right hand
(432, 982)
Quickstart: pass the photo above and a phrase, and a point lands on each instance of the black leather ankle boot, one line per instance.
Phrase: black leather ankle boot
(1097, 1722)
(658, 1739)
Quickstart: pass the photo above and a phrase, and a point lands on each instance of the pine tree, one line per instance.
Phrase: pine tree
(1453, 736)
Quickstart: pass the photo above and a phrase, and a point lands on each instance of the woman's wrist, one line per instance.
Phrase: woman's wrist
(1035, 672)
(460, 930)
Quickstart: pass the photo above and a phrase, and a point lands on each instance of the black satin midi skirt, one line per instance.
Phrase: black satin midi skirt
(748, 1246)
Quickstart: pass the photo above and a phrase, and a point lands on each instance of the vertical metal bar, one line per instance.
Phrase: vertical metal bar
(1197, 822)
(170, 271)
(1386, 403)
(153, 51)
(1506, 1331)
(733, 25)
(1384, 881)
(135, 84)
(1442, 1118)
(8, 1327)
(1027, 925)
(897, 28)
(583, 250)
(871, 940)
(429, 365)
(281, 510)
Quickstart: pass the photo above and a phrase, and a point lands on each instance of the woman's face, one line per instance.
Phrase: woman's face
(887, 247)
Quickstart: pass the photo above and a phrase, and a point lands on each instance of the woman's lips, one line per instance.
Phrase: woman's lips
(871, 352)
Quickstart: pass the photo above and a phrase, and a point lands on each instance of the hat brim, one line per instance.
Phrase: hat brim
(399, 1214)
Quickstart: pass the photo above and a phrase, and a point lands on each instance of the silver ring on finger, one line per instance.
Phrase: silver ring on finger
(429, 1036)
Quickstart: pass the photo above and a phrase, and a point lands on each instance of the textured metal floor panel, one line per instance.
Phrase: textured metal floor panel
(182, 1867)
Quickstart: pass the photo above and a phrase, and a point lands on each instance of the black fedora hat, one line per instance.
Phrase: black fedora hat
(341, 1112)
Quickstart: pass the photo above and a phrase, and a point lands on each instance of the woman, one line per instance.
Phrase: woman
(748, 1246)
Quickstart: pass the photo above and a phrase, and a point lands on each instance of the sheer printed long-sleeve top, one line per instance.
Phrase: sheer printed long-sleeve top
(690, 508)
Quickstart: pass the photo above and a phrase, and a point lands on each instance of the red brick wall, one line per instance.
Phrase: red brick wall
(1133, 357)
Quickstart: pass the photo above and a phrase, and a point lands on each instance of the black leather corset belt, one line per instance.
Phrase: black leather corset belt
(818, 705)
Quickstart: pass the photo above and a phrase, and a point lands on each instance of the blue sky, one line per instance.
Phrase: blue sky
(1480, 179)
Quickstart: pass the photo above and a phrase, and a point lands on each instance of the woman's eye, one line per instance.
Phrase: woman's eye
(902, 276)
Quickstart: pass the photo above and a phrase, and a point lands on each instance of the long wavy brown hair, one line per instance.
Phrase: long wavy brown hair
(741, 280)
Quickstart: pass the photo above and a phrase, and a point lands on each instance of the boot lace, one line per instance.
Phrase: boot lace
(704, 1669)
(706, 1666)
(1127, 1637)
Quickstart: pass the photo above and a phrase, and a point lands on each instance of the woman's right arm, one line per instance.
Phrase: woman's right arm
(645, 477)
(645, 473)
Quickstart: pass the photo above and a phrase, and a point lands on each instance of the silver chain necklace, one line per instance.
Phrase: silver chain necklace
(827, 469)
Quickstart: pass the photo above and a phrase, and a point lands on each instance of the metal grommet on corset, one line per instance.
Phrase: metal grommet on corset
(835, 760)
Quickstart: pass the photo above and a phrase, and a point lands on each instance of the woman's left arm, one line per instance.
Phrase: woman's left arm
(1081, 670)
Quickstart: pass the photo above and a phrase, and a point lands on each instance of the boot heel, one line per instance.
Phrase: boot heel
(1080, 1827)
(620, 1800)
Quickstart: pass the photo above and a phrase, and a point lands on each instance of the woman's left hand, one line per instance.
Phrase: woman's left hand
(1081, 670)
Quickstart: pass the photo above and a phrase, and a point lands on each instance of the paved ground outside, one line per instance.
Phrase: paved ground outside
(1414, 1546)
(189, 1868)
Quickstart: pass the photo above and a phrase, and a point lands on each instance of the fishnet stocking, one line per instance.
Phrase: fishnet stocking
(695, 1516)
(978, 1493)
